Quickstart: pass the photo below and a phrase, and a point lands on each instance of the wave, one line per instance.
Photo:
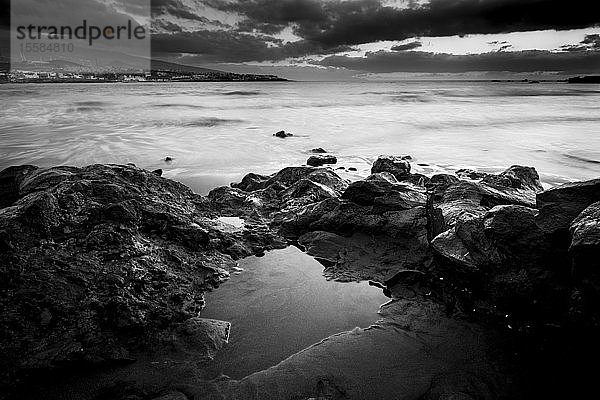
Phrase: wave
(174, 105)
(86, 109)
(512, 121)
(242, 93)
(411, 98)
(581, 158)
(92, 103)
(201, 122)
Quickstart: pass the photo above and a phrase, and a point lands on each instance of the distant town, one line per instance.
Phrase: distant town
(23, 76)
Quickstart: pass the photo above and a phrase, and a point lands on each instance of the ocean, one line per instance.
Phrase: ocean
(217, 132)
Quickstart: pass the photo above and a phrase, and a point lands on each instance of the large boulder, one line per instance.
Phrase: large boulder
(516, 237)
(288, 189)
(585, 248)
(517, 177)
(320, 160)
(251, 182)
(470, 236)
(378, 190)
(10, 181)
(395, 165)
(98, 263)
(559, 206)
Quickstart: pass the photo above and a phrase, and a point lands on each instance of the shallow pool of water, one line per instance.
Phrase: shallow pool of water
(281, 304)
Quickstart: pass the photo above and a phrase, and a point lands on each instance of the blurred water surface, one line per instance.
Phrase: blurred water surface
(217, 132)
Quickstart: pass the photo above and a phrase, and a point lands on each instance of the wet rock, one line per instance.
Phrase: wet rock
(320, 160)
(473, 236)
(232, 200)
(352, 169)
(461, 385)
(561, 205)
(380, 192)
(282, 195)
(168, 159)
(363, 241)
(251, 182)
(360, 256)
(198, 337)
(10, 180)
(318, 150)
(466, 199)
(397, 166)
(585, 249)
(172, 396)
(158, 172)
(99, 262)
(441, 181)
(466, 173)
(282, 134)
(513, 231)
(516, 177)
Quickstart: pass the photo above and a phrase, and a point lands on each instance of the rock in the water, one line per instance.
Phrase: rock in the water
(397, 166)
(283, 134)
(318, 150)
(559, 206)
(320, 160)
(158, 172)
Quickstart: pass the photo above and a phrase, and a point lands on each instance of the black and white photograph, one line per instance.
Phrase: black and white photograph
(299, 199)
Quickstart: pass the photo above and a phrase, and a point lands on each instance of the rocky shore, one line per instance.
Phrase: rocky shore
(494, 282)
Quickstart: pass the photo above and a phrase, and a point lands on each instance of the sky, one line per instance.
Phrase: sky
(374, 39)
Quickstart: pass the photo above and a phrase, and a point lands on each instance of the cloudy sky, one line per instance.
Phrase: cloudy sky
(372, 39)
(381, 38)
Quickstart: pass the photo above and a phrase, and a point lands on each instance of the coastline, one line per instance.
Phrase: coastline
(478, 265)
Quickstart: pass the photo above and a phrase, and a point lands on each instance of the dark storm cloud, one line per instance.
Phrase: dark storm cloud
(327, 27)
(232, 46)
(337, 22)
(68, 12)
(590, 42)
(159, 25)
(407, 46)
(175, 8)
(523, 61)
(458, 17)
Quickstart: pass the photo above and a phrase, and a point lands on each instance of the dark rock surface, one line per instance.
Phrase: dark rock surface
(97, 263)
(494, 283)
(10, 180)
(283, 134)
(585, 250)
(561, 205)
(397, 166)
(320, 160)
